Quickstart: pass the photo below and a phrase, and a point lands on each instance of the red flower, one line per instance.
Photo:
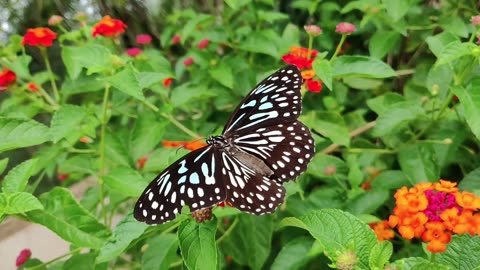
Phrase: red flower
(144, 39)
(133, 52)
(63, 176)
(299, 57)
(40, 36)
(23, 256)
(176, 39)
(32, 87)
(7, 77)
(109, 27)
(187, 62)
(314, 86)
(203, 43)
(167, 82)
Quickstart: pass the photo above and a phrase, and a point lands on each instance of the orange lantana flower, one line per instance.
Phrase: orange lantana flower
(446, 186)
(437, 236)
(382, 230)
(412, 226)
(40, 36)
(308, 74)
(468, 200)
(109, 27)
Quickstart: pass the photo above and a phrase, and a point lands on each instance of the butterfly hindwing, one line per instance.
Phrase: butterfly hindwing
(192, 180)
(275, 100)
(285, 148)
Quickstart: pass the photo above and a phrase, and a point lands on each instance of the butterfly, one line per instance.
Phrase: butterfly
(262, 146)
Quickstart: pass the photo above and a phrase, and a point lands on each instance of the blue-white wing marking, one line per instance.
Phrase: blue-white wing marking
(193, 180)
(275, 100)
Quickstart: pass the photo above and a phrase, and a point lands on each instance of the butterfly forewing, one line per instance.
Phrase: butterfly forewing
(285, 148)
(275, 100)
(193, 180)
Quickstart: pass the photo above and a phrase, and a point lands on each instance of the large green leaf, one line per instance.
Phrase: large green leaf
(93, 57)
(330, 125)
(64, 216)
(146, 134)
(127, 230)
(396, 115)
(17, 178)
(470, 181)
(116, 149)
(367, 202)
(470, 101)
(361, 66)
(250, 242)
(3, 165)
(293, 255)
(66, 120)
(161, 252)
(382, 42)
(463, 252)
(18, 133)
(418, 162)
(397, 9)
(223, 74)
(260, 42)
(197, 244)
(323, 69)
(18, 203)
(380, 255)
(454, 51)
(126, 81)
(338, 232)
(126, 181)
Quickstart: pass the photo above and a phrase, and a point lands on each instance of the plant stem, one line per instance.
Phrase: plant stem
(339, 47)
(40, 266)
(43, 51)
(310, 45)
(181, 126)
(228, 231)
(151, 106)
(102, 152)
(352, 134)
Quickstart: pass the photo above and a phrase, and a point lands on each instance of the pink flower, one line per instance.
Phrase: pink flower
(133, 52)
(176, 39)
(475, 20)
(144, 39)
(24, 255)
(55, 20)
(203, 43)
(345, 28)
(313, 30)
(187, 62)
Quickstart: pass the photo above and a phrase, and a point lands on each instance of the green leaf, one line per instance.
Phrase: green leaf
(367, 202)
(470, 101)
(64, 216)
(323, 69)
(197, 244)
(147, 132)
(320, 162)
(250, 242)
(437, 43)
(395, 116)
(147, 79)
(116, 150)
(463, 252)
(470, 181)
(80, 262)
(222, 74)
(330, 125)
(19, 133)
(260, 42)
(382, 103)
(391, 179)
(192, 24)
(161, 252)
(293, 255)
(382, 42)
(127, 230)
(453, 51)
(417, 263)
(66, 120)
(455, 25)
(187, 93)
(82, 84)
(236, 4)
(418, 162)
(361, 66)
(380, 254)
(127, 82)
(397, 9)
(337, 231)
(92, 57)
(21, 66)
(271, 16)
(126, 181)
(21, 202)
(17, 178)
(3, 165)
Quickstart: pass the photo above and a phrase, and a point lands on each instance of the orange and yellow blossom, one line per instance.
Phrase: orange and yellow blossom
(468, 200)
(412, 226)
(445, 186)
(437, 237)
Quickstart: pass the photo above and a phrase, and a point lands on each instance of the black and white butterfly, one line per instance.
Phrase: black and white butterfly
(262, 145)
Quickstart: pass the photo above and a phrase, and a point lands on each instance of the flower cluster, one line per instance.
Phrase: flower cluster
(109, 27)
(382, 230)
(7, 78)
(40, 36)
(303, 59)
(433, 212)
(191, 145)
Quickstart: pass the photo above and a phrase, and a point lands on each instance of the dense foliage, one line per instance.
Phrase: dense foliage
(391, 94)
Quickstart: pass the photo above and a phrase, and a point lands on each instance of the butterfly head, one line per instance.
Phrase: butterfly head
(219, 141)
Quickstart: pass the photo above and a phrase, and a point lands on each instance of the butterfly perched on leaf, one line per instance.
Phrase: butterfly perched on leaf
(262, 146)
